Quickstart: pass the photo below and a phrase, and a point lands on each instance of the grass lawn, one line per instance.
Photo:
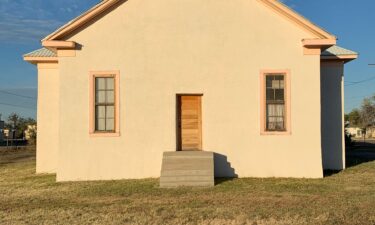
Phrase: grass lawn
(26, 198)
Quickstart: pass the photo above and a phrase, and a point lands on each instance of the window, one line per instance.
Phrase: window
(275, 103)
(275, 107)
(104, 106)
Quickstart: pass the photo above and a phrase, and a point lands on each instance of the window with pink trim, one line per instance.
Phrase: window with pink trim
(104, 103)
(275, 108)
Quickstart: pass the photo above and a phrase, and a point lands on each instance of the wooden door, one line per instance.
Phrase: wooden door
(190, 123)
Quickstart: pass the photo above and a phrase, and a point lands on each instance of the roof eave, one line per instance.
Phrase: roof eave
(343, 58)
(59, 44)
(81, 20)
(298, 19)
(36, 60)
(318, 42)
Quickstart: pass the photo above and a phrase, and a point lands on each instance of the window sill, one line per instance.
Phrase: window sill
(98, 134)
(275, 133)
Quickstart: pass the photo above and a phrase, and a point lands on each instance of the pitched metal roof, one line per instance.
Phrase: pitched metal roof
(42, 52)
(338, 51)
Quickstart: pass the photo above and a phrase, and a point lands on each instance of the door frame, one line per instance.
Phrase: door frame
(178, 120)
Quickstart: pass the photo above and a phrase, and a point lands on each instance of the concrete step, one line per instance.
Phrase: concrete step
(171, 173)
(187, 168)
(186, 178)
(187, 154)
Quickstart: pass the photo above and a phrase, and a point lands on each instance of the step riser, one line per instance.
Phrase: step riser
(186, 173)
(186, 167)
(195, 168)
(188, 153)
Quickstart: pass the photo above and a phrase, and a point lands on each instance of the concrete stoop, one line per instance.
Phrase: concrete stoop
(187, 168)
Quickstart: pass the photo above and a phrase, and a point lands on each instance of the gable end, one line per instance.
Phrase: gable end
(108, 5)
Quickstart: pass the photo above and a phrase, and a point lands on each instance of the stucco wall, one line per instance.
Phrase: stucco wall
(333, 143)
(166, 47)
(48, 118)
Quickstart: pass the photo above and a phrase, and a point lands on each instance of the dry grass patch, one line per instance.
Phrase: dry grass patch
(26, 198)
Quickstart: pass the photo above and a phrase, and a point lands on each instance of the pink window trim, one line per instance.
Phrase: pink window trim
(263, 74)
(92, 76)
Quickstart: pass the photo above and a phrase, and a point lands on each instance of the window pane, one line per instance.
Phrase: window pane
(100, 112)
(279, 123)
(276, 110)
(110, 125)
(282, 84)
(110, 97)
(100, 124)
(110, 112)
(275, 117)
(269, 81)
(275, 84)
(100, 97)
(271, 123)
(279, 77)
(270, 94)
(110, 83)
(279, 94)
(100, 83)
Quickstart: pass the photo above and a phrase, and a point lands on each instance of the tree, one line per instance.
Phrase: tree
(13, 119)
(353, 117)
(367, 113)
(346, 117)
(19, 124)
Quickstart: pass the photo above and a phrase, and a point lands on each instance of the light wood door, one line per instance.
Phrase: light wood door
(190, 123)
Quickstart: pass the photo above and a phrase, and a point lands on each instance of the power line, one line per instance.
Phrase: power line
(17, 106)
(354, 97)
(22, 96)
(359, 82)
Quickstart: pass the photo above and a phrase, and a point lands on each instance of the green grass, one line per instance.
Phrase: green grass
(26, 198)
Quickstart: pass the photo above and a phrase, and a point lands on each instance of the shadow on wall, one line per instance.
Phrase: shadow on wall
(222, 167)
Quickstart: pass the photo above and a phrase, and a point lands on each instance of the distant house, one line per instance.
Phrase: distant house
(9, 134)
(371, 132)
(355, 132)
(252, 81)
(30, 131)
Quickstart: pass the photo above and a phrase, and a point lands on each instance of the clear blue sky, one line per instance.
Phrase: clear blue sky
(24, 22)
